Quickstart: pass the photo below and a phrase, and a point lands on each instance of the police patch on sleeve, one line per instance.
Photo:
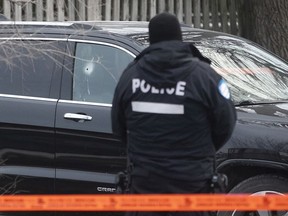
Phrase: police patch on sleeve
(223, 89)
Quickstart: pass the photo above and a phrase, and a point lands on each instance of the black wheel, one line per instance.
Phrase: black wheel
(260, 185)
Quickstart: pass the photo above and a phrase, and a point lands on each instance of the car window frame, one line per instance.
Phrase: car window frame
(54, 92)
(67, 79)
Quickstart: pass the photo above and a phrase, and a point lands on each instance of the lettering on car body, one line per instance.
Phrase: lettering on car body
(105, 189)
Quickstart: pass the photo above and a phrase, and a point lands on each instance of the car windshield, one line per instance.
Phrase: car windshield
(254, 75)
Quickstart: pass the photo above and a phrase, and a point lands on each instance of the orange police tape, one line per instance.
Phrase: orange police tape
(153, 202)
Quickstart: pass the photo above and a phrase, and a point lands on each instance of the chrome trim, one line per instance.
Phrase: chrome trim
(28, 171)
(76, 116)
(85, 103)
(28, 97)
(103, 43)
(36, 23)
(33, 38)
(60, 174)
(85, 176)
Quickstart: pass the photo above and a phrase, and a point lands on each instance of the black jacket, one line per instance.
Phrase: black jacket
(168, 108)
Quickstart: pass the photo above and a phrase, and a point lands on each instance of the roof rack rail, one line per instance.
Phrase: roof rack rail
(80, 25)
(48, 24)
(3, 17)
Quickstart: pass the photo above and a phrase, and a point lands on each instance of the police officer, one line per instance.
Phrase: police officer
(174, 112)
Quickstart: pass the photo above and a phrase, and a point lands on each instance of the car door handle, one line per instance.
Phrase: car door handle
(77, 117)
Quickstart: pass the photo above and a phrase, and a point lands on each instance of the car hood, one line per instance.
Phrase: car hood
(277, 109)
(261, 132)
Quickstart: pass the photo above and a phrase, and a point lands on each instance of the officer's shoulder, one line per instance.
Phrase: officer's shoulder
(204, 68)
(129, 69)
(126, 75)
(203, 65)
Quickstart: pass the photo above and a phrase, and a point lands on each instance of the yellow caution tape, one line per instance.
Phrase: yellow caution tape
(154, 202)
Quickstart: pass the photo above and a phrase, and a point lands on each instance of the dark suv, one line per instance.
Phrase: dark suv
(56, 86)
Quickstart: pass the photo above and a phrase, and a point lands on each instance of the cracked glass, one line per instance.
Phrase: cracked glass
(97, 69)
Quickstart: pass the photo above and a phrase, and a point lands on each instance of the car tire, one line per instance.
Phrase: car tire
(259, 185)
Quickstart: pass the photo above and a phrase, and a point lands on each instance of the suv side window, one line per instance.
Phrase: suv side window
(97, 69)
(27, 67)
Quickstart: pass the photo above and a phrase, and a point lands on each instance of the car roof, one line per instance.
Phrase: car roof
(141, 27)
(37, 27)
(136, 30)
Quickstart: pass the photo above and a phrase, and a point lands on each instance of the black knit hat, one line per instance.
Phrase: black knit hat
(164, 27)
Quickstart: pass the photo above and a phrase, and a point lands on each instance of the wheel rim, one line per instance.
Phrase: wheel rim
(261, 213)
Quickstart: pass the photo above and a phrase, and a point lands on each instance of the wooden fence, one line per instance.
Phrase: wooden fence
(219, 15)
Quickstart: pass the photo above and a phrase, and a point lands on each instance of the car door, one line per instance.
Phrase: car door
(29, 89)
(87, 155)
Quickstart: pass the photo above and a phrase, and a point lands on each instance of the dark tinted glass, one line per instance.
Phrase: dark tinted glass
(27, 67)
